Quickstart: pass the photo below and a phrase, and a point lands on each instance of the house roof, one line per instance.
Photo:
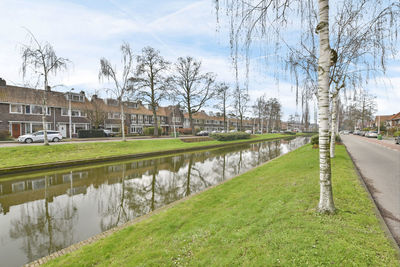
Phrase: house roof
(24, 95)
(395, 117)
(383, 118)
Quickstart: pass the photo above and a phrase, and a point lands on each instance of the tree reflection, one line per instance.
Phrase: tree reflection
(44, 226)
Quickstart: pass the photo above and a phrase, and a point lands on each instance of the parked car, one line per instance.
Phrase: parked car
(397, 140)
(274, 131)
(372, 134)
(248, 131)
(52, 136)
(233, 131)
(202, 133)
(356, 132)
(108, 133)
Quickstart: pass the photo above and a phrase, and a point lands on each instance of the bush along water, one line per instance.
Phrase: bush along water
(315, 140)
(230, 136)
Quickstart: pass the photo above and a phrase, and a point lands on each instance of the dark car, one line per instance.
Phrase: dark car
(202, 133)
(397, 140)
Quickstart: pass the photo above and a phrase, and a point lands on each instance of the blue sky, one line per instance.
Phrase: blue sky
(84, 31)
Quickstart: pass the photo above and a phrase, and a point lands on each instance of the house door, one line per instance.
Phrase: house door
(16, 130)
(63, 130)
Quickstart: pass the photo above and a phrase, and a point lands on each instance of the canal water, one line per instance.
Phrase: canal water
(43, 212)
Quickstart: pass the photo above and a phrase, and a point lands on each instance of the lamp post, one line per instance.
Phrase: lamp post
(70, 112)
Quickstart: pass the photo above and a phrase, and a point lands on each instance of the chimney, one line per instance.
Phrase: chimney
(48, 88)
(82, 93)
(3, 82)
(94, 96)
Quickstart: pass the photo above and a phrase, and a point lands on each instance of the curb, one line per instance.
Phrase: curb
(91, 240)
(377, 211)
(71, 163)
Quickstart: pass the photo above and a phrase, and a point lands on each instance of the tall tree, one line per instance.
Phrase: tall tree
(41, 58)
(251, 18)
(222, 94)
(151, 80)
(193, 87)
(122, 86)
(259, 110)
(241, 101)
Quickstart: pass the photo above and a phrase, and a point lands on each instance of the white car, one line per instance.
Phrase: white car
(372, 134)
(52, 136)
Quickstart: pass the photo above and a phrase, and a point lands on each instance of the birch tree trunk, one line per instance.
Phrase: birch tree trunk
(326, 204)
(122, 122)
(334, 123)
(44, 111)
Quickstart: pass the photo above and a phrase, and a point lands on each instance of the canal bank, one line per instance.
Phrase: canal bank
(44, 212)
(141, 149)
(264, 217)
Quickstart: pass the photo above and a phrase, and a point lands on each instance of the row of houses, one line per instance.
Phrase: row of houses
(389, 121)
(21, 111)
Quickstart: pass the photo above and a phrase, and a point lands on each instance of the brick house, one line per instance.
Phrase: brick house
(21, 110)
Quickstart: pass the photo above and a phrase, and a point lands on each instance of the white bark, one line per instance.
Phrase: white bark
(122, 121)
(334, 123)
(326, 204)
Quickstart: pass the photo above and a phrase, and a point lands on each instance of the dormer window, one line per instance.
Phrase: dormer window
(112, 102)
(76, 97)
(133, 105)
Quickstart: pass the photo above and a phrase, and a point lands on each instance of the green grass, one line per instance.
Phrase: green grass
(27, 155)
(265, 217)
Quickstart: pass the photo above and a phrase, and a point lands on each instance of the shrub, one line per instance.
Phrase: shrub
(230, 136)
(150, 131)
(315, 139)
(395, 134)
(90, 133)
(4, 135)
(289, 132)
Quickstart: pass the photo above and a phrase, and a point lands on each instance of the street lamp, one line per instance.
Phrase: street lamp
(70, 113)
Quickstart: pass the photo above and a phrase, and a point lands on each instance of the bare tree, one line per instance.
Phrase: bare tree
(122, 86)
(41, 59)
(151, 81)
(222, 93)
(251, 19)
(259, 110)
(363, 36)
(193, 87)
(95, 113)
(241, 101)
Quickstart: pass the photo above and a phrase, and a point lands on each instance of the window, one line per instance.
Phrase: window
(140, 118)
(74, 113)
(76, 97)
(14, 108)
(136, 129)
(36, 110)
(79, 126)
(132, 105)
(133, 118)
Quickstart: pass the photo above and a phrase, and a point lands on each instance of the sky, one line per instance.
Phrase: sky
(85, 31)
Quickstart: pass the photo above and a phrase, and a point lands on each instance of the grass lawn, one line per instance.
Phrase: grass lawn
(265, 217)
(27, 155)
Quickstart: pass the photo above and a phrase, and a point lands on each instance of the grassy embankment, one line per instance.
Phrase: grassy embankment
(27, 155)
(265, 217)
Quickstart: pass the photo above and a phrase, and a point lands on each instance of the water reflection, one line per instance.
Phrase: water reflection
(42, 213)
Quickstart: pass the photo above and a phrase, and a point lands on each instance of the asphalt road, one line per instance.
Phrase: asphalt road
(379, 164)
